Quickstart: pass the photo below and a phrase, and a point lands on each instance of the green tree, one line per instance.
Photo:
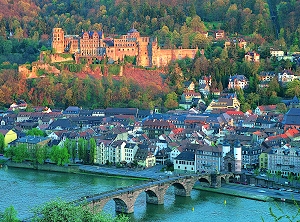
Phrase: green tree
(60, 211)
(269, 174)
(281, 108)
(171, 101)
(93, 147)
(83, 150)
(293, 88)
(59, 155)
(20, 153)
(1, 143)
(41, 154)
(291, 177)
(278, 175)
(245, 107)
(35, 132)
(9, 215)
(256, 172)
(71, 146)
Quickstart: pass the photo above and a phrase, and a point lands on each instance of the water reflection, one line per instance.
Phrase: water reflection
(25, 189)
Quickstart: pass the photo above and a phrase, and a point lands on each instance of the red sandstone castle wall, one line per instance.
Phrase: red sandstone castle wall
(131, 44)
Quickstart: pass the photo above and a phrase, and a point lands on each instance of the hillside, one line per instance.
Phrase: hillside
(146, 78)
(18, 9)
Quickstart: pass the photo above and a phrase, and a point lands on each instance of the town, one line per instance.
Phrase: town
(219, 138)
(197, 138)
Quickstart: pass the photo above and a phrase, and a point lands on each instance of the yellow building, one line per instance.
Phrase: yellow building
(224, 104)
(263, 160)
(144, 158)
(9, 136)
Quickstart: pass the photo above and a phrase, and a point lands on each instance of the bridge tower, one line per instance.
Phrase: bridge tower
(225, 150)
(237, 150)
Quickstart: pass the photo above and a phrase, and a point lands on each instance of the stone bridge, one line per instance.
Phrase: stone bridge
(155, 190)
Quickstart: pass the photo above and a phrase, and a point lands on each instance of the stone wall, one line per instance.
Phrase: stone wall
(45, 167)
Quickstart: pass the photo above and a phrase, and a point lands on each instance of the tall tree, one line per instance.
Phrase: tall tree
(9, 215)
(293, 88)
(1, 143)
(93, 147)
(59, 155)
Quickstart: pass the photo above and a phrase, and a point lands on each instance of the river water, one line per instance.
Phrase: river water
(26, 189)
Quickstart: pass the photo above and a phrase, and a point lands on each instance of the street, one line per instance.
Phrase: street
(263, 191)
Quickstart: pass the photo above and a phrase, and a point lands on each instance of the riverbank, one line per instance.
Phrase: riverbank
(77, 169)
(143, 175)
(235, 193)
(44, 167)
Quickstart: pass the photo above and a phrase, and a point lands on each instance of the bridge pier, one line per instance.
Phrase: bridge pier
(122, 207)
(181, 192)
(125, 198)
(154, 199)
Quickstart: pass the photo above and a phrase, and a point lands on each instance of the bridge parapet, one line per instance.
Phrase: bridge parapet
(125, 198)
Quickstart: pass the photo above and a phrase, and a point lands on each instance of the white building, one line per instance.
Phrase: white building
(237, 151)
(238, 82)
(284, 159)
(286, 76)
(185, 162)
(130, 150)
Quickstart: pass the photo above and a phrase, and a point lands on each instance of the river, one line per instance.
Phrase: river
(25, 189)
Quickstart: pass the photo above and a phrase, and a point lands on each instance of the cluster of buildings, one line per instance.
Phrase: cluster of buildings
(242, 82)
(93, 46)
(226, 140)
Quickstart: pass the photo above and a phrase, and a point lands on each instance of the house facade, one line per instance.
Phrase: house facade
(185, 162)
(252, 57)
(238, 82)
(209, 159)
(285, 160)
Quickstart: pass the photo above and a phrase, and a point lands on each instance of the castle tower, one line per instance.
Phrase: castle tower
(237, 151)
(144, 49)
(58, 39)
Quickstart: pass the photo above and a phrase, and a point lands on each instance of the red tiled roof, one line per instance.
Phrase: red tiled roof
(235, 113)
(178, 130)
(291, 132)
(267, 108)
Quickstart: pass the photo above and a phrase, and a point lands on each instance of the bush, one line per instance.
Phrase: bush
(59, 210)
(114, 69)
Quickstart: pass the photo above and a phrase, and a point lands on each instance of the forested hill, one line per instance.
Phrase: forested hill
(26, 27)
(28, 18)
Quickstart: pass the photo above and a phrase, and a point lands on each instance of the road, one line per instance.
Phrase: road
(263, 191)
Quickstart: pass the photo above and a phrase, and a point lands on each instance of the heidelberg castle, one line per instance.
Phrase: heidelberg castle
(94, 46)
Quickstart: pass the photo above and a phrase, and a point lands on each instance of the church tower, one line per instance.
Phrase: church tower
(58, 39)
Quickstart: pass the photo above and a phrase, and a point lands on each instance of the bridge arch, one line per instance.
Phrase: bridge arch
(180, 189)
(155, 191)
(153, 198)
(122, 206)
(205, 179)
